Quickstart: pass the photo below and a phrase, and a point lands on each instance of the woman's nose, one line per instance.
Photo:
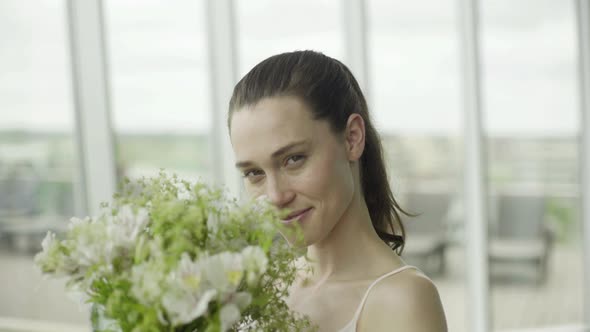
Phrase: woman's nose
(278, 194)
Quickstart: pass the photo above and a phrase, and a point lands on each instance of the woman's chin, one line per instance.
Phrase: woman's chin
(294, 239)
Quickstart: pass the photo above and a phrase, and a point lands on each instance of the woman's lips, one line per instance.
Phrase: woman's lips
(297, 215)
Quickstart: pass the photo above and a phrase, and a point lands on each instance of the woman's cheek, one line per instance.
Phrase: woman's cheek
(253, 191)
(320, 177)
(312, 181)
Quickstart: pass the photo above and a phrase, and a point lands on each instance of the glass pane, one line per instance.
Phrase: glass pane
(529, 53)
(415, 85)
(267, 27)
(38, 155)
(160, 90)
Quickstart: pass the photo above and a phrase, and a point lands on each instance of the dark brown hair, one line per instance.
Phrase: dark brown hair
(333, 94)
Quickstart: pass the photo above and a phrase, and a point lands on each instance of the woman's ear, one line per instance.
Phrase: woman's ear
(355, 137)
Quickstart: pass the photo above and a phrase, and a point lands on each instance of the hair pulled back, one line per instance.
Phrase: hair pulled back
(333, 94)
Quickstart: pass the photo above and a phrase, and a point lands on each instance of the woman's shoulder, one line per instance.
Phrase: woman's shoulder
(408, 301)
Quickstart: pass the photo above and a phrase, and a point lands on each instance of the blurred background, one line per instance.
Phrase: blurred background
(92, 91)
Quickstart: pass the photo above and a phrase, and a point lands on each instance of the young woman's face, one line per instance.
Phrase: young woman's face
(295, 161)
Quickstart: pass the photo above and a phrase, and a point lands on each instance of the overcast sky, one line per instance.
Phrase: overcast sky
(159, 68)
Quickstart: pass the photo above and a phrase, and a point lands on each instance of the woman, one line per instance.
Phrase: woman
(302, 137)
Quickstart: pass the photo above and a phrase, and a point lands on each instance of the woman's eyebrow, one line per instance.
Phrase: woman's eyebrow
(277, 153)
(287, 147)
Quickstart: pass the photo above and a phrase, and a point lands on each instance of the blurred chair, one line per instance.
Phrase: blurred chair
(426, 233)
(520, 234)
(20, 187)
(19, 191)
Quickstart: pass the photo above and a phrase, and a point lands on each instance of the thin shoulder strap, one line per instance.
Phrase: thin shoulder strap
(362, 304)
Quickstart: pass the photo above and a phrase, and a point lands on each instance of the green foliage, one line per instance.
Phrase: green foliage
(562, 217)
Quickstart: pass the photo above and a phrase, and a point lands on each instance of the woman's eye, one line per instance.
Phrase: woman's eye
(294, 160)
(253, 175)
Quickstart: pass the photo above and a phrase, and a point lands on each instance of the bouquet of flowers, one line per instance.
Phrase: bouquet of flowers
(170, 255)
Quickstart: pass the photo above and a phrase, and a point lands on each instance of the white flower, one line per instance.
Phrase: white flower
(183, 308)
(188, 295)
(189, 272)
(249, 325)
(224, 271)
(228, 316)
(48, 258)
(77, 222)
(145, 281)
(202, 190)
(126, 226)
(255, 263)
(182, 192)
(48, 241)
(89, 245)
(52, 258)
(187, 277)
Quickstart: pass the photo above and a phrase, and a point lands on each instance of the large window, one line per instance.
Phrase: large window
(160, 91)
(415, 89)
(39, 182)
(529, 80)
(266, 27)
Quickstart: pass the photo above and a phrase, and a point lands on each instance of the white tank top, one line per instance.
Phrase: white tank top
(351, 326)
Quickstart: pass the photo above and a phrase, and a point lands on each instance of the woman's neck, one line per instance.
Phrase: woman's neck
(351, 251)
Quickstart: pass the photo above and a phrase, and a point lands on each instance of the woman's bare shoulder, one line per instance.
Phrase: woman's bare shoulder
(407, 301)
